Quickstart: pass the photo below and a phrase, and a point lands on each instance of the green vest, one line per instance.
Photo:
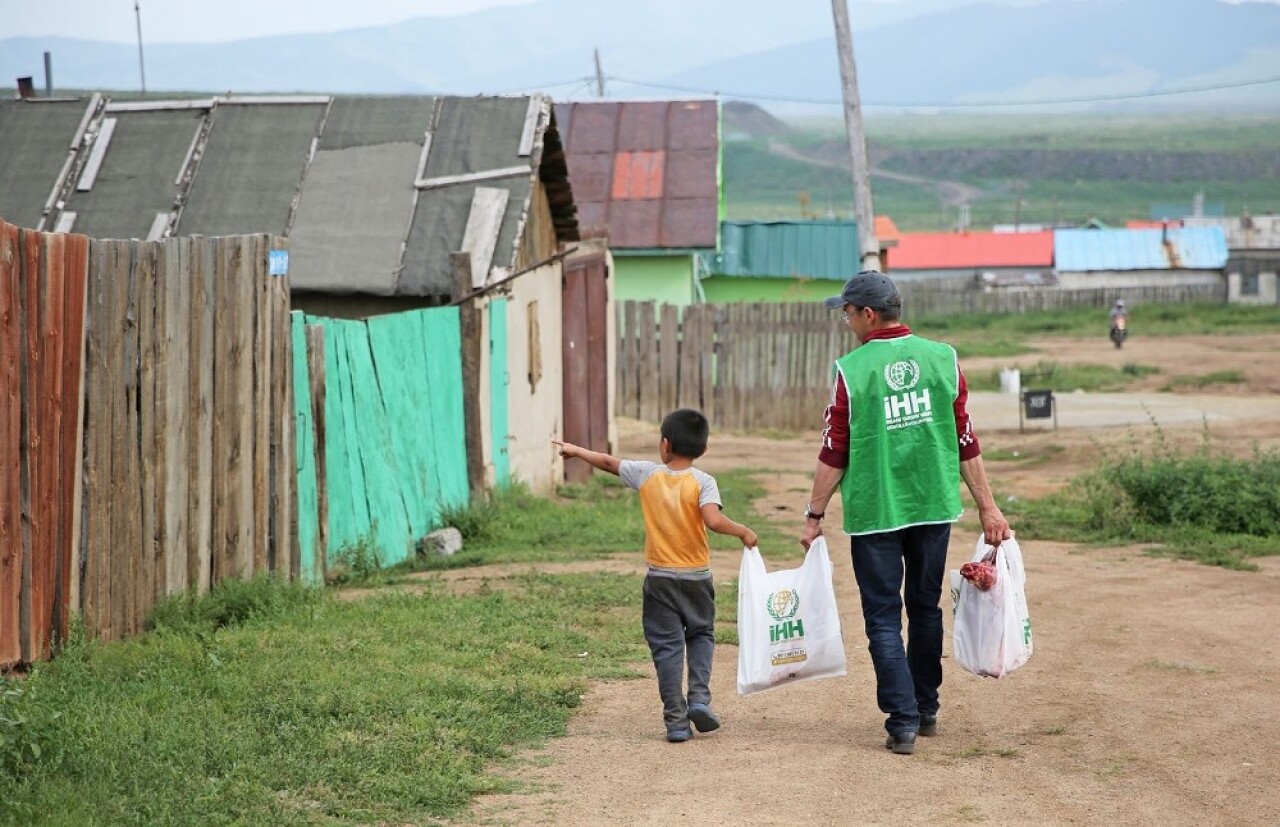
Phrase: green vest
(904, 457)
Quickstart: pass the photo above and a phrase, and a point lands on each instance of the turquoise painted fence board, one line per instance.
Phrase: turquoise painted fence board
(304, 432)
(349, 521)
(498, 381)
(442, 334)
(394, 447)
(382, 479)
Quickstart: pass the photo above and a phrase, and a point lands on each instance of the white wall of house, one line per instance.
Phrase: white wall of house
(1261, 289)
(534, 363)
(1137, 278)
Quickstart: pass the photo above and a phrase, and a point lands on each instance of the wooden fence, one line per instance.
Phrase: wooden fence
(768, 365)
(183, 471)
(368, 469)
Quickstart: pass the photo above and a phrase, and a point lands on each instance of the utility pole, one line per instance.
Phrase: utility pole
(599, 76)
(862, 212)
(142, 68)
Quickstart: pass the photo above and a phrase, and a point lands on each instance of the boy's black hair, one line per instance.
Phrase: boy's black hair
(687, 431)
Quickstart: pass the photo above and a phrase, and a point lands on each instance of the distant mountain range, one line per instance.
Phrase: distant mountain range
(919, 53)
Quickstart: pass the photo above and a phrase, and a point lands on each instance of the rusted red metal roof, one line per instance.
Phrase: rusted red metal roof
(644, 172)
(944, 251)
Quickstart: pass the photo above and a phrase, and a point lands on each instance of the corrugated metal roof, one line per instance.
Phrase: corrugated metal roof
(825, 249)
(1194, 248)
(35, 140)
(136, 180)
(473, 135)
(359, 194)
(645, 172)
(946, 251)
(251, 169)
(352, 164)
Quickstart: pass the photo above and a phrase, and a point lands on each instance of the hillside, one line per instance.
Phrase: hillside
(1049, 170)
(950, 54)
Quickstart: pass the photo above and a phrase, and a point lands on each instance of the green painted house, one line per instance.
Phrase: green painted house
(646, 176)
(780, 261)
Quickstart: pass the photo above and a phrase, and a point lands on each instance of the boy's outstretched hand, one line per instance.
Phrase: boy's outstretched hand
(605, 462)
(749, 538)
(567, 449)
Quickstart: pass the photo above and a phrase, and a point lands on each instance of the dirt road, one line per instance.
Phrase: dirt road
(1152, 697)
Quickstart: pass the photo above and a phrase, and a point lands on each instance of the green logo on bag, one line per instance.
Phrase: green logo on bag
(1026, 631)
(783, 604)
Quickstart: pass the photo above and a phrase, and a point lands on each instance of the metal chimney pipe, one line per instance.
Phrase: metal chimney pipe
(48, 74)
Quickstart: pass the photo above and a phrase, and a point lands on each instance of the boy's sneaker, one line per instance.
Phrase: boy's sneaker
(703, 718)
(928, 724)
(679, 736)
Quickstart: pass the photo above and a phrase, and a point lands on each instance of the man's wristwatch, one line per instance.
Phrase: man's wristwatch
(810, 514)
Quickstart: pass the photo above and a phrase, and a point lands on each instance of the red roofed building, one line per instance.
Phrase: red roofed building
(983, 258)
(646, 174)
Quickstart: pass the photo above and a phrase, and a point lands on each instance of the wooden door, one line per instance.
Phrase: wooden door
(586, 359)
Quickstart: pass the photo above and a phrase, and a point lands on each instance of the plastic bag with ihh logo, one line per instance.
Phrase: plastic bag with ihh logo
(788, 623)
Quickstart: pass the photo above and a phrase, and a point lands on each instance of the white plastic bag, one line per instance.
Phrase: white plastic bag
(991, 630)
(788, 623)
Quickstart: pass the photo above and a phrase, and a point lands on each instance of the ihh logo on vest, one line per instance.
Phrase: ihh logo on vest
(906, 406)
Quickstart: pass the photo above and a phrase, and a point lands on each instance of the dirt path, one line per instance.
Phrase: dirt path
(1152, 698)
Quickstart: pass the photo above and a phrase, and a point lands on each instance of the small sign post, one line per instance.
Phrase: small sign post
(1037, 404)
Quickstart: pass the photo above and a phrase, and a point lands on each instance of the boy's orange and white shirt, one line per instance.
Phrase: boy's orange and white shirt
(675, 536)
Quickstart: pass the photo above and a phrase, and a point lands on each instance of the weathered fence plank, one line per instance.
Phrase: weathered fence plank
(11, 546)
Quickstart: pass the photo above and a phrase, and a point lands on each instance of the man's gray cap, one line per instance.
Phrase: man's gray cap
(870, 288)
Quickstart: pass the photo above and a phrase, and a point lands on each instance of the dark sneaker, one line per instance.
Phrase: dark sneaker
(704, 720)
(679, 736)
(904, 743)
(928, 724)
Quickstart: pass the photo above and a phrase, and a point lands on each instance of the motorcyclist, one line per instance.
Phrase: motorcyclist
(1119, 322)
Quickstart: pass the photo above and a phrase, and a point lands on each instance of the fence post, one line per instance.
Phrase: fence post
(469, 323)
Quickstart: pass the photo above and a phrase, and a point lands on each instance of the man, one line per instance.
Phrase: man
(1119, 322)
(897, 442)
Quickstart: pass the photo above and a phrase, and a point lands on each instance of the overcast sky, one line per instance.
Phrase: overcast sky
(206, 20)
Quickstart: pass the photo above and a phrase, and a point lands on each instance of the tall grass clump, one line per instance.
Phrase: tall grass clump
(1194, 504)
(230, 603)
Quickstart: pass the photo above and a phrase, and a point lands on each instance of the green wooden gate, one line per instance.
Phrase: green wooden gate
(394, 436)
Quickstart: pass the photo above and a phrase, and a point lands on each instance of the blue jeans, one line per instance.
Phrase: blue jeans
(679, 619)
(908, 563)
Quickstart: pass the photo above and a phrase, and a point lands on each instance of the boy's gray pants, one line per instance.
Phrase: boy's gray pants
(679, 622)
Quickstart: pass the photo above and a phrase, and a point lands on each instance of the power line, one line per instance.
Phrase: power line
(969, 104)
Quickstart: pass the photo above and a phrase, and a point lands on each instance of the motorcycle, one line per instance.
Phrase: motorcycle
(1118, 331)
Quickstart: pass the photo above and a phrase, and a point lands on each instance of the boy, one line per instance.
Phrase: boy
(679, 607)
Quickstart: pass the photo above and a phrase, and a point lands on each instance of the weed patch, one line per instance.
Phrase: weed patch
(1197, 505)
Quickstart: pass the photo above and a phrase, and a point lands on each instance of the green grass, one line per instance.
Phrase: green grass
(1195, 505)
(964, 330)
(1065, 378)
(1219, 377)
(385, 710)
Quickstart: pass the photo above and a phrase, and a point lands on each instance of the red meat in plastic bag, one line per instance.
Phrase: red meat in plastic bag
(981, 574)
